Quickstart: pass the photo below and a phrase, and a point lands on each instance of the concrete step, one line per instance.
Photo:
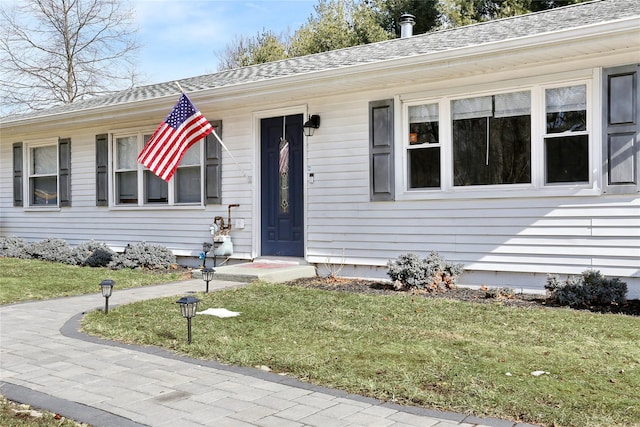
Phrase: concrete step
(268, 270)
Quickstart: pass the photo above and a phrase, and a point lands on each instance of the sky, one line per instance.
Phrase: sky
(184, 38)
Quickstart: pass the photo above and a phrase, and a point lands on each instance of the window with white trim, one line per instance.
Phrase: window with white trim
(135, 185)
(566, 139)
(43, 175)
(532, 137)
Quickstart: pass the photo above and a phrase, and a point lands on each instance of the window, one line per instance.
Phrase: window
(188, 177)
(424, 146)
(566, 140)
(131, 179)
(42, 172)
(533, 137)
(121, 181)
(492, 139)
(126, 170)
(43, 175)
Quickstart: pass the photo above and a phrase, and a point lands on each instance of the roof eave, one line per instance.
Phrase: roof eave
(160, 104)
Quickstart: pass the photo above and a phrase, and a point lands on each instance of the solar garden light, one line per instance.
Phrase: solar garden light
(107, 288)
(188, 307)
(206, 247)
(207, 275)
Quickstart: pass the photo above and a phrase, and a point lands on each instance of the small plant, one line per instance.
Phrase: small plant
(92, 254)
(433, 273)
(56, 250)
(144, 255)
(499, 293)
(591, 289)
(333, 270)
(13, 247)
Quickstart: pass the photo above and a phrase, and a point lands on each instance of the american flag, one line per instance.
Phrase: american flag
(183, 127)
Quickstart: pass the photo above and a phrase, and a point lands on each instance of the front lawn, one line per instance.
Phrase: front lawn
(28, 279)
(546, 366)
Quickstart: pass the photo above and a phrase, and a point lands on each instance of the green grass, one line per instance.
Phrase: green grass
(442, 354)
(26, 280)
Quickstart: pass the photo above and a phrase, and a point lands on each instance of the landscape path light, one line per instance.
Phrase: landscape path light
(107, 287)
(188, 306)
(206, 247)
(207, 276)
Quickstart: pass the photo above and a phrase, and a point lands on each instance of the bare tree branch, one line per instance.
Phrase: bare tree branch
(56, 52)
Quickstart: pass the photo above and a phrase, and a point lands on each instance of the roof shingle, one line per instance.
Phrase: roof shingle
(554, 20)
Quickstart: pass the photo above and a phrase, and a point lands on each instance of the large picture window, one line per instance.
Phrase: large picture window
(491, 138)
(532, 137)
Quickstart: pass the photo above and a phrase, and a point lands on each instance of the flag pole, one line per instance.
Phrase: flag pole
(222, 143)
(248, 178)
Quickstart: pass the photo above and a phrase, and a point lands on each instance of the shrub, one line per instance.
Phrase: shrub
(591, 289)
(433, 273)
(56, 250)
(13, 247)
(500, 293)
(143, 255)
(92, 254)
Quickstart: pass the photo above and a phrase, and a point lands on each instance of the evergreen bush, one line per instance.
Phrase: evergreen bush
(92, 254)
(591, 289)
(433, 273)
(144, 255)
(13, 247)
(56, 250)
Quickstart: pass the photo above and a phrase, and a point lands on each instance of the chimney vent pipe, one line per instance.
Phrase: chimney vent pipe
(407, 21)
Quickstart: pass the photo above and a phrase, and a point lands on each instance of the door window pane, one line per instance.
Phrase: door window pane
(283, 166)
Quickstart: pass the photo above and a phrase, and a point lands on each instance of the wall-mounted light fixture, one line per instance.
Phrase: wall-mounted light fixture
(311, 125)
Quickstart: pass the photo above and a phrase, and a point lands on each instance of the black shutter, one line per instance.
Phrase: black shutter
(17, 174)
(102, 170)
(64, 173)
(621, 126)
(213, 166)
(381, 170)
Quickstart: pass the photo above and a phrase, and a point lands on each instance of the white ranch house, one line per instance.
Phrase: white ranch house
(509, 146)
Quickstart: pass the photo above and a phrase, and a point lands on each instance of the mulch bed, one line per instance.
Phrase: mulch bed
(631, 308)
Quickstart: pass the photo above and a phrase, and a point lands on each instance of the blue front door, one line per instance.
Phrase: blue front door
(282, 186)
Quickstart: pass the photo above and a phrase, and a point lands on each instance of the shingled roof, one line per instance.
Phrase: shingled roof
(554, 20)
